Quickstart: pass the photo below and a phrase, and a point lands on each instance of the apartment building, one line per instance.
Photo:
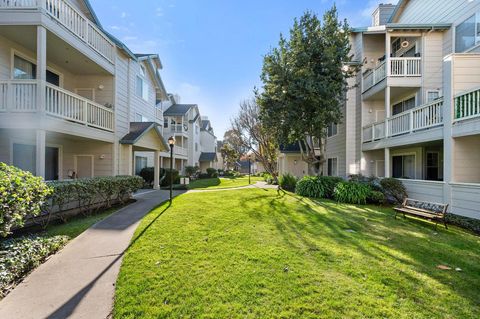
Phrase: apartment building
(74, 101)
(208, 145)
(415, 111)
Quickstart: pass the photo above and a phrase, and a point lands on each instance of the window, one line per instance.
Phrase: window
(141, 88)
(467, 34)
(142, 70)
(140, 163)
(165, 123)
(432, 95)
(403, 166)
(332, 130)
(332, 166)
(23, 69)
(403, 106)
(140, 118)
(432, 166)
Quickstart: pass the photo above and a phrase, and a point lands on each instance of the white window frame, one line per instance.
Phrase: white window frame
(402, 100)
(29, 58)
(476, 36)
(431, 91)
(336, 130)
(336, 168)
(404, 154)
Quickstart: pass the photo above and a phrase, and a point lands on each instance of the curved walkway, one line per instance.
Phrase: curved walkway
(79, 281)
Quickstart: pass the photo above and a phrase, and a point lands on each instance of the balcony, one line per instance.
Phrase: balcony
(397, 67)
(467, 105)
(417, 119)
(180, 151)
(20, 96)
(178, 128)
(70, 18)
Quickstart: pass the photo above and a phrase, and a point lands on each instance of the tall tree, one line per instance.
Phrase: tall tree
(305, 83)
(255, 137)
(231, 138)
(229, 155)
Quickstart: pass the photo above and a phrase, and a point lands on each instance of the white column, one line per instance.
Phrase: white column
(41, 67)
(388, 49)
(156, 170)
(129, 160)
(40, 153)
(387, 110)
(387, 163)
(448, 141)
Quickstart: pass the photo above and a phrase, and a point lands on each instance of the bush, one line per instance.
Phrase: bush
(20, 255)
(190, 170)
(169, 174)
(464, 222)
(212, 172)
(287, 182)
(394, 190)
(147, 174)
(376, 197)
(203, 176)
(352, 192)
(372, 181)
(317, 186)
(21, 195)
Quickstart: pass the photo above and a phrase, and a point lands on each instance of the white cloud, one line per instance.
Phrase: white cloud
(123, 15)
(159, 12)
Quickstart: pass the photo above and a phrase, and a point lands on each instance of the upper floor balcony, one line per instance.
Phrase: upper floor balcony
(19, 97)
(61, 13)
(406, 125)
(393, 68)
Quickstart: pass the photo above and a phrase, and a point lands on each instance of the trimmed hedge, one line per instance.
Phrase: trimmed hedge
(317, 186)
(21, 195)
(18, 256)
(147, 173)
(464, 222)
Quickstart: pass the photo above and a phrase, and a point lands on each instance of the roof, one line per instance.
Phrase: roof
(398, 8)
(178, 109)
(207, 157)
(138, 129)
(290, 148)
(205, 124)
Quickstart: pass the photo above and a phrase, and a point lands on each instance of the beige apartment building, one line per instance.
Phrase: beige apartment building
(74, 101)
(415, 111)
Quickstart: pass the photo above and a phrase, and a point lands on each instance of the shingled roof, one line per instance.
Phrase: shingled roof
(207, 157)
(137, 130)
(178, 109)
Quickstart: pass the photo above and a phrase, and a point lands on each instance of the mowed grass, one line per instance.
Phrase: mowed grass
(223, 182)
(255, 254)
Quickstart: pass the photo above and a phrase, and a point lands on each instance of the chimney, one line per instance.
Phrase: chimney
(382, 14)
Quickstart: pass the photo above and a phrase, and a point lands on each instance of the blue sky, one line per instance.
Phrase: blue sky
(212, 50)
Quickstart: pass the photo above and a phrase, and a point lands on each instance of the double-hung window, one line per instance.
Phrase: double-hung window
(141, 88)
(332, 130)
(332, 169)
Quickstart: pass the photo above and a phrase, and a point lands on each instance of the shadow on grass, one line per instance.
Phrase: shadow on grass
(68, 307)
(375, 234)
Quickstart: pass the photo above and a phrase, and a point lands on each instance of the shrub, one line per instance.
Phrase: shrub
(20, 255)
(310, 186)
(287, 182)
(376, 197)
(329, 183)
(212, 172)
(372, 181)
(352, 192)
(190, 170)
(394, 190)
(464, 222)
(21, 195)
(147, 174)
(169, 174)
(203, 176)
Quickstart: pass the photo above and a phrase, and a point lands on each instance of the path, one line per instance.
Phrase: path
(79, 281)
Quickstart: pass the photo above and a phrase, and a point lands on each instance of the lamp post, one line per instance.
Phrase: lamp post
(171, 142)
(249, 156)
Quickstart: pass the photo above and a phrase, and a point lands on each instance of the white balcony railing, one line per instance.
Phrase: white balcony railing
(182, 151)
(72, 19)
(405, 66)
(467, 104)
(398, 67)
(159, 114)
(177, 128)
(419, 118)
(21, 96)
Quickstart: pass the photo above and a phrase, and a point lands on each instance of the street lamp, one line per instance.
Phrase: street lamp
(249, 156)
(171, 142)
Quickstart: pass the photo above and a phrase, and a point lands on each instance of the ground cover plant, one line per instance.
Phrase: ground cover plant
(256, 253)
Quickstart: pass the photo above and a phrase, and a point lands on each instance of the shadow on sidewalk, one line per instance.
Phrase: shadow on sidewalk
(68, 307)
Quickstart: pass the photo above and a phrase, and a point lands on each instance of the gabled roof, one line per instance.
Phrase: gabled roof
(207, 157)
(138, 129)
(204, 124)
(398, 10)
(178, 109)
(290, 148)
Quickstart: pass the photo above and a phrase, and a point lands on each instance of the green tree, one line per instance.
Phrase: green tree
(305, 84)
(230, 155)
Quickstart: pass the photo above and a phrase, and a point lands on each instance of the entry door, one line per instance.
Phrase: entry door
(84, 167)
(51, 163)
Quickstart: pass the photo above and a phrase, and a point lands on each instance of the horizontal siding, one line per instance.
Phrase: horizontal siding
(466, 70)
(466, 200)
(424, 190)
(437, 11)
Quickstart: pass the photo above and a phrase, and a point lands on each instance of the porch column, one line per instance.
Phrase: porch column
(387, 52)
(129, 160)
(40, 153)
(41, 67)
(156, 170)
(387, 163)
(448, 141)
(387, 109)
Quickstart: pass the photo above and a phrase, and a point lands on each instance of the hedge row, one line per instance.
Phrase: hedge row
(23, 196)
(147, 173)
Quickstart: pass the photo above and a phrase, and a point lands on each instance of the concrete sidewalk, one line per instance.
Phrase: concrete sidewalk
(79, 281)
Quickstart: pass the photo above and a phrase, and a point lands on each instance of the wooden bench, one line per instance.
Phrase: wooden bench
(433, 211)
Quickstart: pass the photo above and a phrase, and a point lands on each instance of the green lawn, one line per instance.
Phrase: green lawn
(223, 182)
(253, 254)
